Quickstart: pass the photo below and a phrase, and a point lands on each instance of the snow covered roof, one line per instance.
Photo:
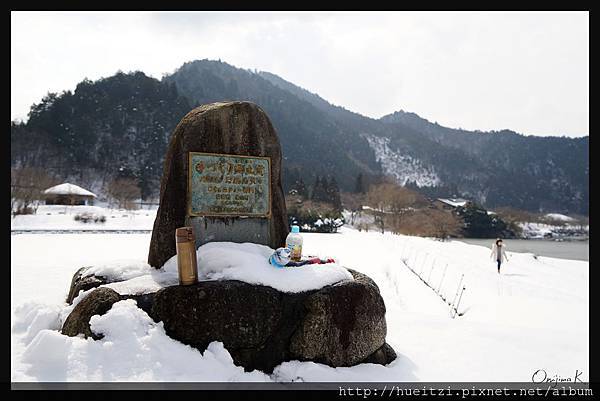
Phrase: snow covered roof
(68, 189)
(454, 202)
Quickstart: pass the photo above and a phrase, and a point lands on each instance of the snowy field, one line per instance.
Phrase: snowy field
(532, 316)
(57, 217)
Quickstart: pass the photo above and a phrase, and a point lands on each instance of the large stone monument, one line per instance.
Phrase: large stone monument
(222, 176)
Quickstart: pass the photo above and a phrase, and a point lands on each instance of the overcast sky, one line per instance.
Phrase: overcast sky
(523, 71)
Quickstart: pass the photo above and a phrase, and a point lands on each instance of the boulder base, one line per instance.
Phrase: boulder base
(338, 325)
(342, 324)
(98, 302)
(83, 282)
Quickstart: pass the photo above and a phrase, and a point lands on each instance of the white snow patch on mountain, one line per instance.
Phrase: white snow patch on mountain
(401, 166)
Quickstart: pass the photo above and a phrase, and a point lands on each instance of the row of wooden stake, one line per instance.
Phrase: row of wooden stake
(459, 291)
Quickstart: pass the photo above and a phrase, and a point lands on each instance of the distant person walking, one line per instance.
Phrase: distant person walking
(499, 253)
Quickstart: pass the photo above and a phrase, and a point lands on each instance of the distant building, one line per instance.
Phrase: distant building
(68, 194)
(451, 204)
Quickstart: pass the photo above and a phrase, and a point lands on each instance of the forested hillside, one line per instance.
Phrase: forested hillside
(119, 127)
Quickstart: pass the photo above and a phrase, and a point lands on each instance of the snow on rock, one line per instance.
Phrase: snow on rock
(245, 262)
(130, 276)
(120, 269)
(249, 263)
(128, 331)
(402, 166)
(66, 310)
(143, 284)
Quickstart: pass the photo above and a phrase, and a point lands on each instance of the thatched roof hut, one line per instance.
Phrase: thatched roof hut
(68, 194)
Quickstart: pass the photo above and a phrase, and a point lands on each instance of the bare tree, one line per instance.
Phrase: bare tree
(390, 203)
(123, 191)
(513, 217)
(353, 202)
(415, 223)
(26, 188)
(444, 224)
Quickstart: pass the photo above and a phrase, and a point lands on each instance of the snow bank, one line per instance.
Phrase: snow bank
(32, 317)
(296, 371)
(534, 315)
(128, 331)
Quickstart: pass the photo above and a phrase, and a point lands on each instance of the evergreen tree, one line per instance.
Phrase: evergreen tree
(293, 182)
(319, 193)
(333, 194)
(288, 178)
(301, 188)
(112, 126)
(479, 224)
(359, 187)
(314, 194)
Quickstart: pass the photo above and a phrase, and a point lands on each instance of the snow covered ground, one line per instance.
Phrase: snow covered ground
(57, 217)
(532, 316)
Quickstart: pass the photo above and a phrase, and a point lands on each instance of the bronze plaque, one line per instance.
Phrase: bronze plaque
(229, 185)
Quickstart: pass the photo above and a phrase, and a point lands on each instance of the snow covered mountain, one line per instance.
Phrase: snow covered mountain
(402, 167)
(120, 126)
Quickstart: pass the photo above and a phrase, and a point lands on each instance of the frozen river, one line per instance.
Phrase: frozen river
(575, 250)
